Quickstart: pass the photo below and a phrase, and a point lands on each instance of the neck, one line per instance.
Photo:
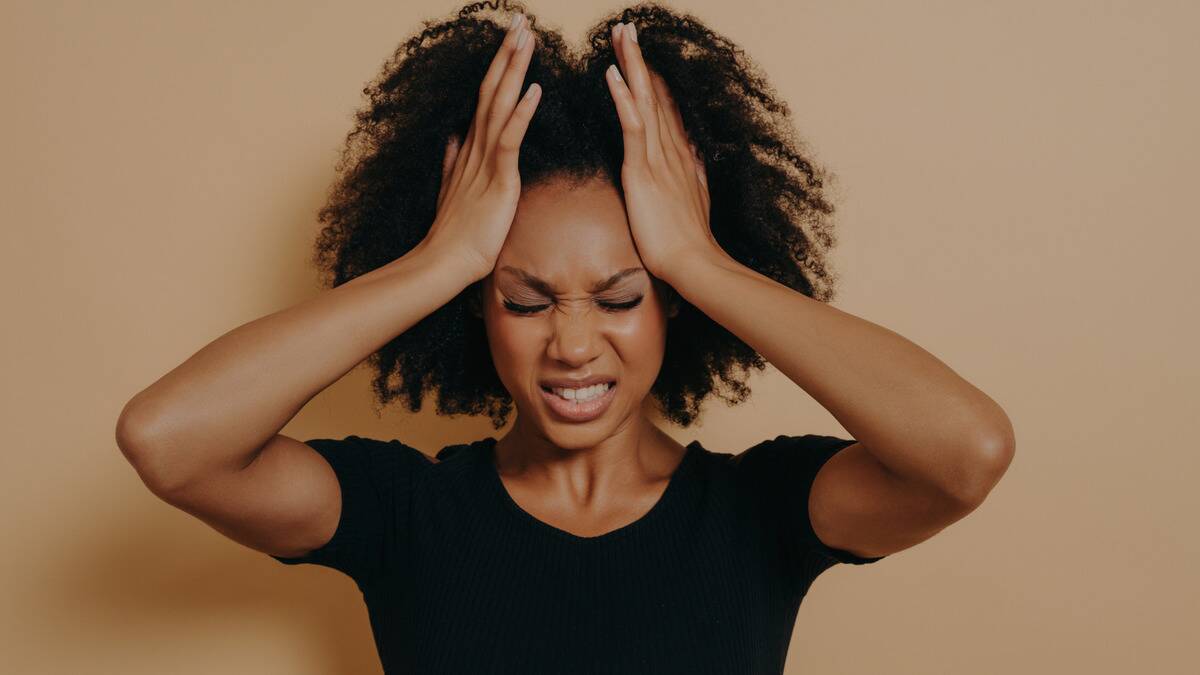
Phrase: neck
(636, 449)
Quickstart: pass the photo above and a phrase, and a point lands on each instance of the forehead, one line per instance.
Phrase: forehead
(569, 233)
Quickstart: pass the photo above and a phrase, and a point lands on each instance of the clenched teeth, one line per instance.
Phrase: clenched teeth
(584, 394)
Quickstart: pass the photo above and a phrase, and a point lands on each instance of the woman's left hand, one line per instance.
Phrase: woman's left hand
(666, 188)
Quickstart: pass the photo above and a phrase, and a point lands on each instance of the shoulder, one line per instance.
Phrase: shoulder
(383, 458)
(354, 442)
(774, 457)
(371, 456)
(784, 462)
(786, 450)
(462, 453)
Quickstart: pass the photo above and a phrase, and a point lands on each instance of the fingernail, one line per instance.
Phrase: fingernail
(522, 37)
(633, 32)
(615, 72)
(515, 21)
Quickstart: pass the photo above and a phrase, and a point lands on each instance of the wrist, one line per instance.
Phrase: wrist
(454, 259)
(684, 265)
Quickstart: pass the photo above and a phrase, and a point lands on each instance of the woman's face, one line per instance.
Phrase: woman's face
(565, 243)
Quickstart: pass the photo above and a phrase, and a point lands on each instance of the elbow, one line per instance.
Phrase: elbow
(135, 440)
(988, 463)
(132, 431)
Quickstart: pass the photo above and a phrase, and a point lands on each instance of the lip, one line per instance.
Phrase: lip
(568, 383)
(579, 412)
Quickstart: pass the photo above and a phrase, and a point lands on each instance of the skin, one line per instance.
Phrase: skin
(593, 477)
(897, 486)
(929, 445)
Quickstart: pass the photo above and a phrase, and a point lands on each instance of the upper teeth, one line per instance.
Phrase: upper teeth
(582, 394)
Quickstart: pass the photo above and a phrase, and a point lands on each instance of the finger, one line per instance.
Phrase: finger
(701, 172)
(673, 146)
(672, 120)
(632, 127)
(448, 162)
(508, 145)
(465, 155)
(499, 63)
(638, 79)
(495, 72)
(509, 88)
(669, 151)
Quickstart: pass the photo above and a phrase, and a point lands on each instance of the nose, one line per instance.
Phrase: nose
(575, 340)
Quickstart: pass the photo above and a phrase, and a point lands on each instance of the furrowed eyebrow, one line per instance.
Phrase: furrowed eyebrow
(542, 286)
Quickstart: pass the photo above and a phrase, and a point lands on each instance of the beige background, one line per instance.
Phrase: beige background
(1017, 195)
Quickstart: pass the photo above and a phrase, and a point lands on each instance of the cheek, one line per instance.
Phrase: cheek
(513, 338)
(640, 342)
(513, 343)
(639, 335)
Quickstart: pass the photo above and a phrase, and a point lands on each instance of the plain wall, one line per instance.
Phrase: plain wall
(1016, 193)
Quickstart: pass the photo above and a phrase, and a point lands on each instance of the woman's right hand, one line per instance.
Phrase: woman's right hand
(480, 181)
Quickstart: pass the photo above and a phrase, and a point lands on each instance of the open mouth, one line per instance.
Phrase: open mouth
(580, 405)
(580, 394)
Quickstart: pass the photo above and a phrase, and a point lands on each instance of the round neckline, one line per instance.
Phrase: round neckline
(485, 453)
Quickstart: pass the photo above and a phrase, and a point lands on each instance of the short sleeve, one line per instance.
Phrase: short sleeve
(376, 479)
(782, 471)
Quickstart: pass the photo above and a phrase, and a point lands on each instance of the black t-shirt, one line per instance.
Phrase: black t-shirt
(458, 578)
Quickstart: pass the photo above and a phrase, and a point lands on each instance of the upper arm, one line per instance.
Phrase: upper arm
(342, 504)
(832, 501)
(856, 504)
(287, 502)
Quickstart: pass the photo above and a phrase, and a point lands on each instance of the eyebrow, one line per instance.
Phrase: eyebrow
(542, 286)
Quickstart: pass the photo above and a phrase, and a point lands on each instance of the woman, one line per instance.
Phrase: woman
(593, 249)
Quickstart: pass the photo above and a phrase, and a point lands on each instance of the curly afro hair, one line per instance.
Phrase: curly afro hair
(768, 210)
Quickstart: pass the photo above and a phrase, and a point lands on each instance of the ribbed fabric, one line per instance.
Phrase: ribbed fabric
(458, 578)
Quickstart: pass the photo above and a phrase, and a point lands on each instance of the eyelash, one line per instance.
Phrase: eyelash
(608, 306)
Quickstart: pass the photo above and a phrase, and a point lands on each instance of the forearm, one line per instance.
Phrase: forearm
(910, 410)
(219, 407)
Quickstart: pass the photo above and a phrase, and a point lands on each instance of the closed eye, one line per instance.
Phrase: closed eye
(523, 309)
(608, 306)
